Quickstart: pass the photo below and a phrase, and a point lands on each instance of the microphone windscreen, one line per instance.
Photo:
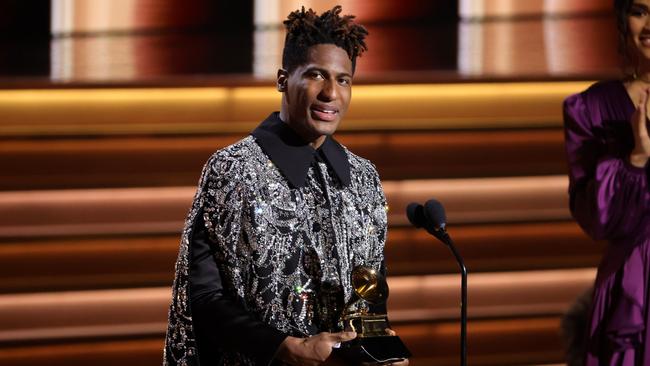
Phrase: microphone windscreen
(415, 214)
(435, 213)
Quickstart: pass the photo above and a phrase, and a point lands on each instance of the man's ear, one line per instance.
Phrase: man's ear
(283, 78)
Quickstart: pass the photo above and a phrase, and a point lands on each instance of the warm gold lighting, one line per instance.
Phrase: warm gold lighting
(238, 109)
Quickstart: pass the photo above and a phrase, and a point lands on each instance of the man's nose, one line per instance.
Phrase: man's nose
(328, 92)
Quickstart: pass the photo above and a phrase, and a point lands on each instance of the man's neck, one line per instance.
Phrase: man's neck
(314, 143)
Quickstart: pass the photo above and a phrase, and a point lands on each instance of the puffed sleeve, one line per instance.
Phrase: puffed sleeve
(608, 196)
(221, 320)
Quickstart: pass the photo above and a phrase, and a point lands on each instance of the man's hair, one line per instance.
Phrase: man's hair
(306, 29)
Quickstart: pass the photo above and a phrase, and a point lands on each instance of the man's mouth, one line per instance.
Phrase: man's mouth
(324, 113)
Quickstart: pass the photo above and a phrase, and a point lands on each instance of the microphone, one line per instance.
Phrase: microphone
(415, 214)
(432, 218)
(435, 214)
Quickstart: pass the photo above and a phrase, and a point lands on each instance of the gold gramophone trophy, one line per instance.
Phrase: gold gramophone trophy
(372, 344)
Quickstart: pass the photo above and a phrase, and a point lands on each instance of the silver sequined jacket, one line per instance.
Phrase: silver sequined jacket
(284, 253)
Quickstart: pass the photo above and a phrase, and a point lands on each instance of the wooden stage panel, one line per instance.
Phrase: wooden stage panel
(524, 341)
(81, 239)
(493, 247)
(146, 351)
(81, 326)
(172, 161)
(162, 209)
(491, 342)
(76, 263)
(82, 263)
(33, 318)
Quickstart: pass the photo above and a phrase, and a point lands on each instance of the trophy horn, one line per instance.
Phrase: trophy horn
(369, 285)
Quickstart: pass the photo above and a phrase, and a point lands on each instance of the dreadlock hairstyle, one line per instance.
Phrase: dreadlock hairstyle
(306, 29)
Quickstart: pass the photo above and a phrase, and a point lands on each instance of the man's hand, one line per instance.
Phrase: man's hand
(312, 351)
(401, 363)
(641, 153)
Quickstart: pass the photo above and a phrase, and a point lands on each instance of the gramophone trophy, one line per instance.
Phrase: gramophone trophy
(372, 344)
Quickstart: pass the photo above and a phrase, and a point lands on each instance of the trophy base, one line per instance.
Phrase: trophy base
(377, 350)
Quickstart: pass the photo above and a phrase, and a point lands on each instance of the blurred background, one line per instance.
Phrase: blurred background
(109, 108)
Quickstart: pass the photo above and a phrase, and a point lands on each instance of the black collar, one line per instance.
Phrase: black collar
(293, 156)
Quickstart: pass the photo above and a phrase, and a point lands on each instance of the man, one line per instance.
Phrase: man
(280, 219)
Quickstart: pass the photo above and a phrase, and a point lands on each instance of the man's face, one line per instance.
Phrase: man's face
(317, 93)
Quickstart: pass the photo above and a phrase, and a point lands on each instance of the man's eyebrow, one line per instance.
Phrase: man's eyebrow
(324, 71)
(639, 5)
(315, 68)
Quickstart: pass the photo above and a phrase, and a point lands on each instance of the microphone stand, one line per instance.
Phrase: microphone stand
(463, 295)
(431, 217)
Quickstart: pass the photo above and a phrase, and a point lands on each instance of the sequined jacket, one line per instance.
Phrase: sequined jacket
(286, 234)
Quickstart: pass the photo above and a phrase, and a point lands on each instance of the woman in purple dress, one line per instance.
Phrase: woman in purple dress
(608, 149)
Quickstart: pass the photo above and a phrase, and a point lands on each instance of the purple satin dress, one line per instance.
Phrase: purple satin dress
(610, 200)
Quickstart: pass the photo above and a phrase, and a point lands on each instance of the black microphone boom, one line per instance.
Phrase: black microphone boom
(432, 217)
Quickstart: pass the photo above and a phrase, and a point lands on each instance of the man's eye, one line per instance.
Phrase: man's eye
(344, 81)
(317, 76)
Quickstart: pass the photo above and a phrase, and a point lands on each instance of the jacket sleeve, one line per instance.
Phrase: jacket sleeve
(379, 218)
(220, 318)
(608, 196)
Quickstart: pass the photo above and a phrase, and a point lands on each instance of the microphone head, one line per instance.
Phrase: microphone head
(415, 214)
(434, 213)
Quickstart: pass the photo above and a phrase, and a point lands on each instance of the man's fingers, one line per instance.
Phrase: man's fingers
(343, 336)
(390, 332)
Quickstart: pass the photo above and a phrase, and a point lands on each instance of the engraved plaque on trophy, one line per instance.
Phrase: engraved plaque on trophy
(372, 344)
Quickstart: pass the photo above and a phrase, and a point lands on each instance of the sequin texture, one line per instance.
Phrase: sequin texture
(287, 253)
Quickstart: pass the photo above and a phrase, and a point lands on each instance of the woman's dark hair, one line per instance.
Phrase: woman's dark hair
(306, 29)
(622, 10)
